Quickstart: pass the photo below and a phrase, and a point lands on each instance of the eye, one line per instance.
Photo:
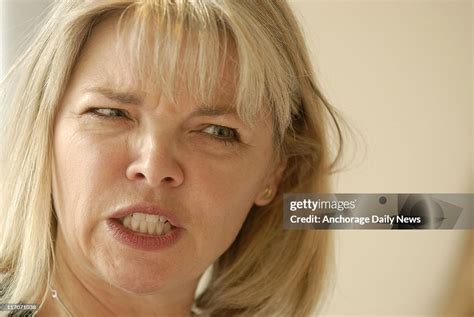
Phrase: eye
(108, 112)
(221, 133)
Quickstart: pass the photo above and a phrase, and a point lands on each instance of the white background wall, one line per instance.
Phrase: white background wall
(401, 72)
(17, 19)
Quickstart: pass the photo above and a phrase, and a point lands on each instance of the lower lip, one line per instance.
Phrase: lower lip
(142, 241)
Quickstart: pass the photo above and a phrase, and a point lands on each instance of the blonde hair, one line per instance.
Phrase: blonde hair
(267, 270)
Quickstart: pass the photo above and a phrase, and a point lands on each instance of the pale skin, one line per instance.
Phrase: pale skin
(111, 150)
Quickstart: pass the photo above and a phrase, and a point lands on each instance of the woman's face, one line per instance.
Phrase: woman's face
(118, 144)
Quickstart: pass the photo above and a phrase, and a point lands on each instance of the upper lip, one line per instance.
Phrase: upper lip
(147, 208)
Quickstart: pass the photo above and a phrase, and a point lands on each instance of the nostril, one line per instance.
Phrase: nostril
(168, 179)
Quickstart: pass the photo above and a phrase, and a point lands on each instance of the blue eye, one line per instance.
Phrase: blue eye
(108, 112)
(221, 133)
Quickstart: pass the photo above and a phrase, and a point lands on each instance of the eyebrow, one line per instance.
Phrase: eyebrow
(120, 97)
(212, 111)
(134, 99)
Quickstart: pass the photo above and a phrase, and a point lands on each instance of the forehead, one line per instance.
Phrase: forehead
(112, 58)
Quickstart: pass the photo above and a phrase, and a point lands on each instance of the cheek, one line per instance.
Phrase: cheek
(84, 171)
(222, 197)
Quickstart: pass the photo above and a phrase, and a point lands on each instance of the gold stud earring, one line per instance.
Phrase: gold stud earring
(267, 194)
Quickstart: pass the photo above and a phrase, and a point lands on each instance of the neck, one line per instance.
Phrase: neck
(84, 294)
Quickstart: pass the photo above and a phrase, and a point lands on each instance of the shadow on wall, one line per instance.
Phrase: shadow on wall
(459, 300)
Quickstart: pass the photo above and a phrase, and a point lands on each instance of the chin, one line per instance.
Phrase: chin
(136, 277)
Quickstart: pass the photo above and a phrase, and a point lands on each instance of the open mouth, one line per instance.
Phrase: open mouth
(147, 224)
(144, 226)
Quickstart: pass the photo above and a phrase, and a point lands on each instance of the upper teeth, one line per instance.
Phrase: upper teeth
(145, 223)
(150, 218)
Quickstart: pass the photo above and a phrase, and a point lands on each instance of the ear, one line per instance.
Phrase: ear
(268, 192)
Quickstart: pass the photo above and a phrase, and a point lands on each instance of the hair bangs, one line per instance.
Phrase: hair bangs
(186, 47)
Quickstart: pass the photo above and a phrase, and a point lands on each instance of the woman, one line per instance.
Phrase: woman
(148, 141)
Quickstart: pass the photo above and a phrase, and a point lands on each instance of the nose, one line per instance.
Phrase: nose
(155, 162)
